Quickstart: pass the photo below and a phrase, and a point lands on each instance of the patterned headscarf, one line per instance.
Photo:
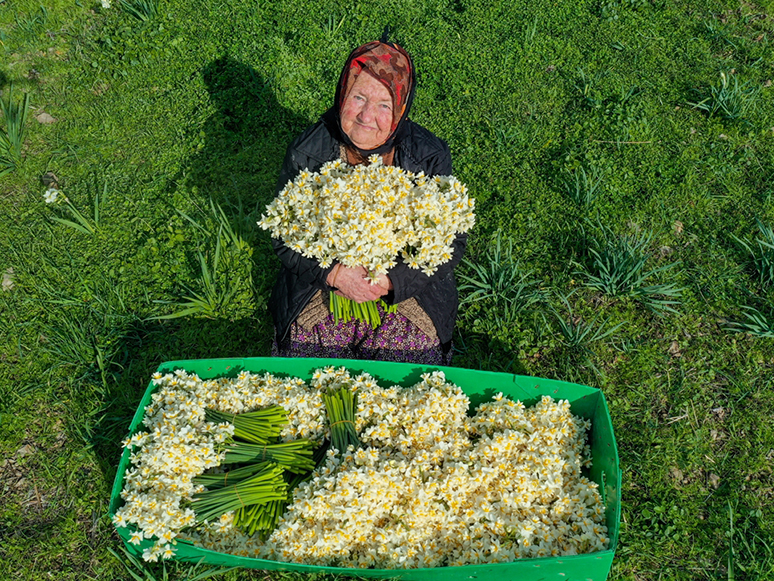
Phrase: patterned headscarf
(389, 64)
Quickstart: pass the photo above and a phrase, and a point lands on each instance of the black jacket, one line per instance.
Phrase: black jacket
(301, 277)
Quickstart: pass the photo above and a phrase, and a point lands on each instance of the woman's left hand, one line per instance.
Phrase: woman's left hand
(384, 282)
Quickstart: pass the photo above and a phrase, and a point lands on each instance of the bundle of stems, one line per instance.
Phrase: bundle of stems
(258, 427)
(266, 486)
(341, 405)
(344, 309)
(263, 518)
(260, 518)
(295, 456)
(235, 476)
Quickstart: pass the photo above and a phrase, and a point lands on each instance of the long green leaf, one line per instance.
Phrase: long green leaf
(71, 224)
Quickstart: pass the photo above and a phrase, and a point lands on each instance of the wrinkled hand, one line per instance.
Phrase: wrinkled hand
(384, 282)
(353, 284)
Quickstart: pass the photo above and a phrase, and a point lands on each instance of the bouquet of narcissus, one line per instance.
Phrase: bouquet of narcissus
(370, 216)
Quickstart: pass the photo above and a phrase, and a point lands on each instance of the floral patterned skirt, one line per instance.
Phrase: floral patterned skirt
(396, 339)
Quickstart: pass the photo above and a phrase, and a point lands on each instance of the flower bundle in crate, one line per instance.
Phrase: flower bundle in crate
(370, 216)
(410, 480)
(255, 485)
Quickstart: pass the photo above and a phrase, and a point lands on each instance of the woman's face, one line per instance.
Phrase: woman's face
(366, 115)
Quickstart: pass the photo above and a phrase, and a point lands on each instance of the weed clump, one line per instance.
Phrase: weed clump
(761, 252)
(618, 268)
(728, 99)
(12, 138)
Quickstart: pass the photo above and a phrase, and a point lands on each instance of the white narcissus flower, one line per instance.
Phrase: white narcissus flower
(51, 195)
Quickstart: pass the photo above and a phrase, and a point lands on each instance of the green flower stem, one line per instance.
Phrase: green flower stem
(266, 486)
(258, 427)
(295, 456)
(216, 481)
(341, 405)
(344, 309)
(260, 518)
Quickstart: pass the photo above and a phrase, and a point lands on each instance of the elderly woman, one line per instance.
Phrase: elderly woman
(369, 116)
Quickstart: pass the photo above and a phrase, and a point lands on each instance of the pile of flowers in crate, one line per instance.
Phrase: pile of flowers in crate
(343, 472)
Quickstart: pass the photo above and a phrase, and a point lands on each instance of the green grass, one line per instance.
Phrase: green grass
(169, 134)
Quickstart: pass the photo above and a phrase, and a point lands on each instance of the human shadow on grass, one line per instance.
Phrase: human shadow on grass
(243, 143)
(240, 152)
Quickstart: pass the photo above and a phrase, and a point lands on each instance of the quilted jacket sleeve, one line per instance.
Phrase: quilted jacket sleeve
(439, 164)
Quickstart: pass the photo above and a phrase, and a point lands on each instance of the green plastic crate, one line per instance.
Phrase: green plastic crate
(479, 386)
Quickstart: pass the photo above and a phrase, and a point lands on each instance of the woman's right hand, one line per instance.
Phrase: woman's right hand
(353, 284)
